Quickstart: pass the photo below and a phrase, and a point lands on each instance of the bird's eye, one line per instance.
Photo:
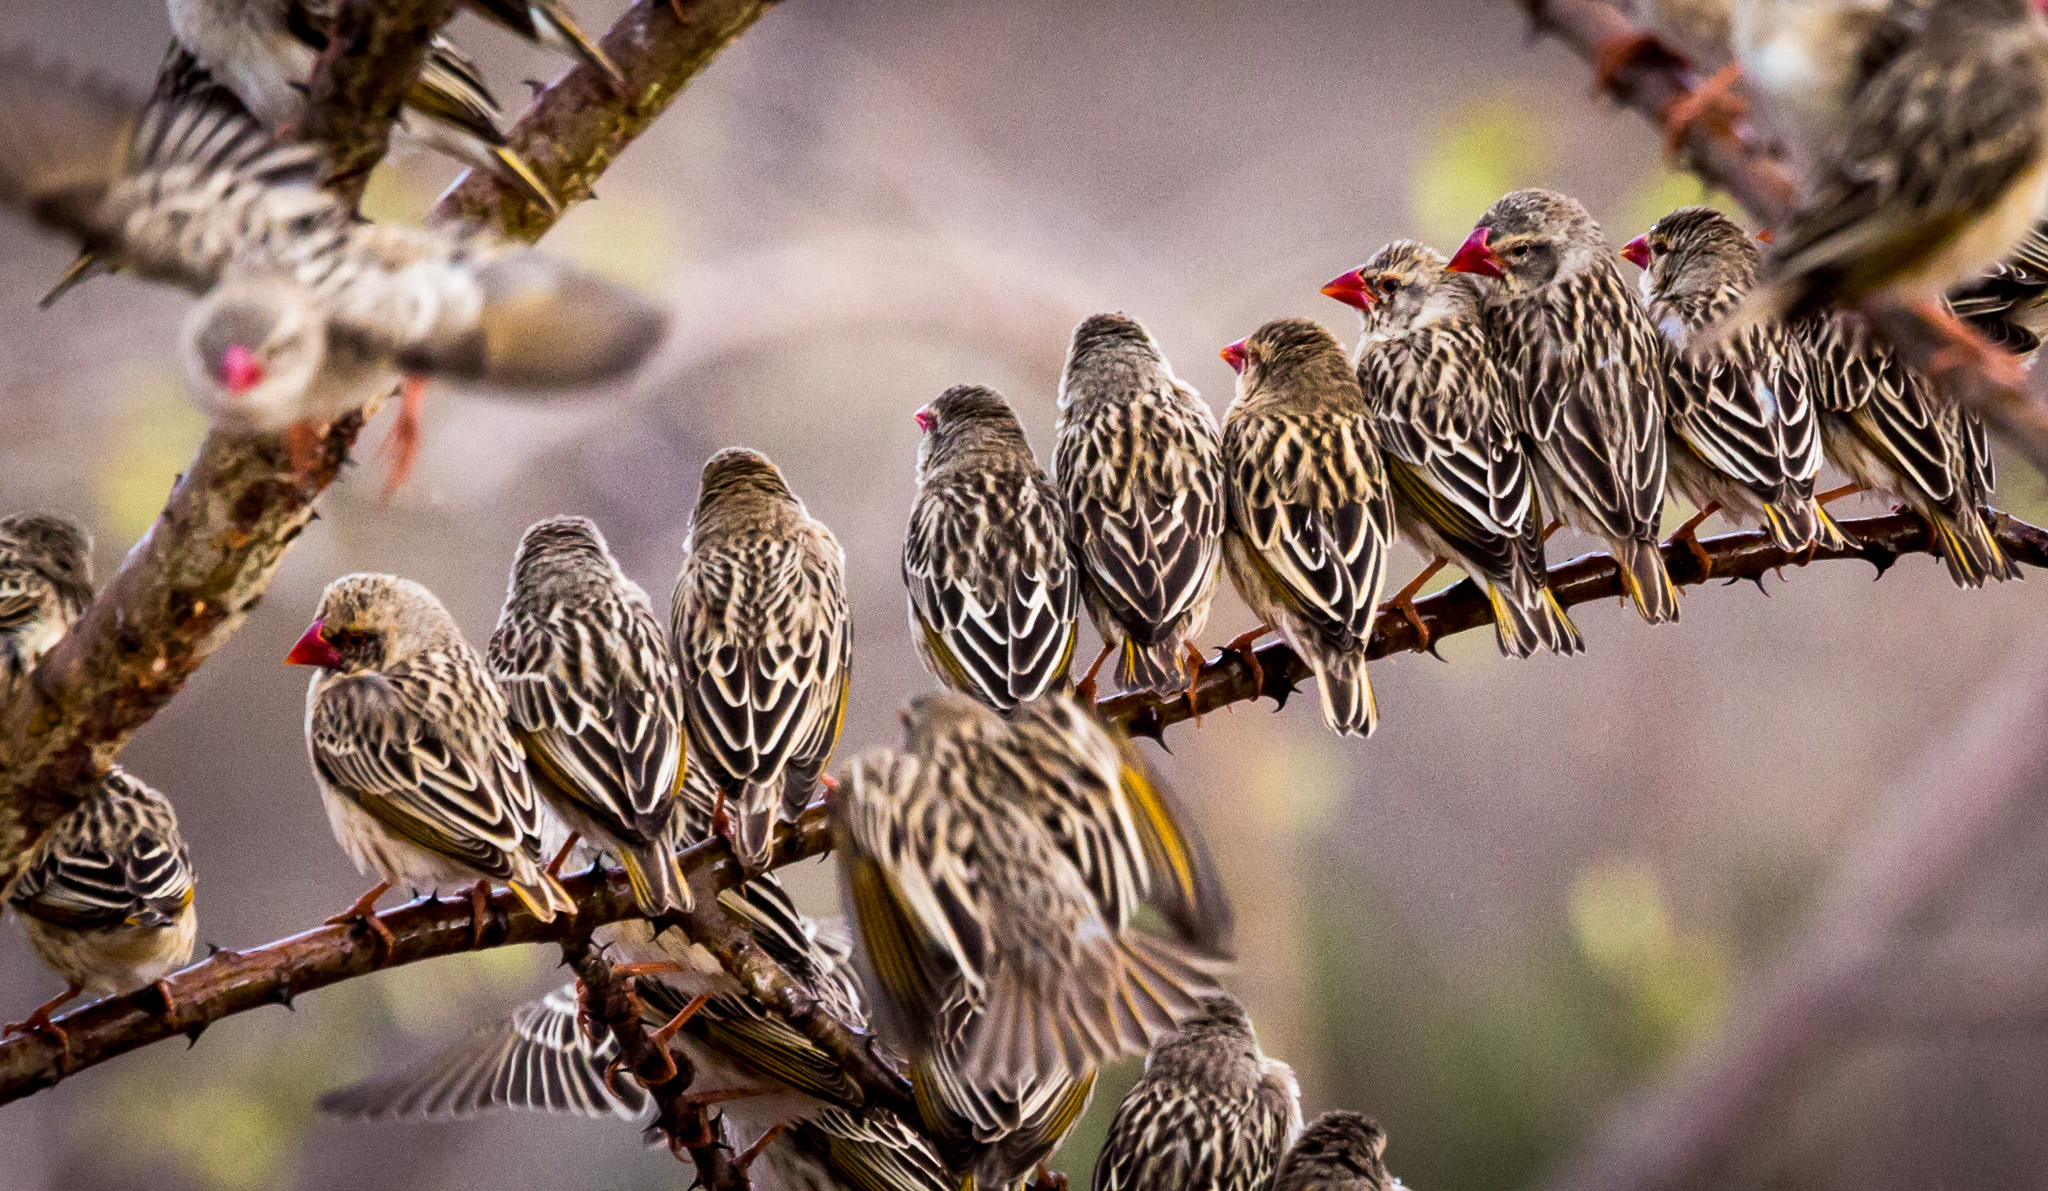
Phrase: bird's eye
(1518, 250)
(1390, 285)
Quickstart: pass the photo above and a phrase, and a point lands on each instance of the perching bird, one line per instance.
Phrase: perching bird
(106, 896)
(45, 586)
(1889, 429)
(1138, 458)
(2009, 304)
(1464, 488)
(1744, 425)
(591, 684)
(1311, 510)
(985, 943)
(1587, 369)
(423, 781)
(1339, 1151)
(1211, 1111)
(764, 642)
(265, 51)
(992, 583)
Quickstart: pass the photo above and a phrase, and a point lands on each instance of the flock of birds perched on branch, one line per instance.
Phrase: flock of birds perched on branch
(1005, 869)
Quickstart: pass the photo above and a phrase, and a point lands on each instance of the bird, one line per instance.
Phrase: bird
(421, 776)
(1311, 513)
(595, 699)
(1463, 485)
(1588, 372)
(992, 583)
(1339, 1151)
(764, 643)
(1211, 1110)
(984, 941)
(265, 51)
(1743, 423)
(1139, 461)
(1889, 429)
(105, 897)
(45, 587)
(188, 189)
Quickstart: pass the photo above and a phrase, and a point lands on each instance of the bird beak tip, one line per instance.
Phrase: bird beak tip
(313, 649)
(1234, 356)
(1637, 252)
(1476, 256)
(1351, 290)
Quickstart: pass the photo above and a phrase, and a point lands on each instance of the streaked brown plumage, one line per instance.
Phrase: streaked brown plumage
(1339, 1151)
(594, 697)
(1588, 371)
(1311, 511)
(1463, 485)
(45, 586)
(423, 781)
(991, 580)
(1139, 461)
(2009, 304)
(764, 643)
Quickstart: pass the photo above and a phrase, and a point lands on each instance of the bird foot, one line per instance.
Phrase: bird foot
(1241, 645)
(1552, 528)
(721, 824)
(1834, 494)
(38, 1022)
(163, 992)
(479, 913)
(1194, 663)
(363, 911)
(554, 868)
(1713, 104)
(403, 443)
(1615, 54)
(302, 448)
(1404, 603)
(1048, 1180)
(1688, 535)
(1084, 690)
(662, 1036)
(746, 1157)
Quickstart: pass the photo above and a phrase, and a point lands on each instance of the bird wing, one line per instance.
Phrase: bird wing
(116, 857)
(452, 90)
(64, 141)
(2006, 303)
(1747, 409)
(1164, 1138)
(1890, 405)
(875, 1151)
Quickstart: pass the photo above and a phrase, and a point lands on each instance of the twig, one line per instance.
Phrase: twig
(372, 61)
(1726, 157)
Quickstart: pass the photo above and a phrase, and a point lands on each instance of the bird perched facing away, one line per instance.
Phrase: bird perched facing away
(992, 585)
(1311, 512)
(1745, 432)
(106, 896)
(1339, 1151)
(1463, 485)
(1139, 461)
(45, 586)
(421, 776)
(764, 643)
(591, 684)
(1211, 1111)
(1587, 370)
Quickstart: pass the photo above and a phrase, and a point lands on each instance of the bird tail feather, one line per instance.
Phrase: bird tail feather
(1969, 549)
(1348, 706)
(1526, 620)
(658, 884)
(1160, 667)
(1648, 583)
(542, 895)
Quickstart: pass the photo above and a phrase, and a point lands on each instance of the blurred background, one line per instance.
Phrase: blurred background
(1750, 901)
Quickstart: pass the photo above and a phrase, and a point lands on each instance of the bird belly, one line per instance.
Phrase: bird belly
(112, 960)
(377, 852)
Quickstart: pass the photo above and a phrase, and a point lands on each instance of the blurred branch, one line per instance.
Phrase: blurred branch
(1654, 80)
(1463, 606)
(371, 63)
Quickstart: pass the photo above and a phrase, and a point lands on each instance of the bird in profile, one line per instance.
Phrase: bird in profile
(1587, 371)
(1464, 488)
(1311, 512)
(1139, 461)
(1339, 1151)
(45, 587)
(422, 778)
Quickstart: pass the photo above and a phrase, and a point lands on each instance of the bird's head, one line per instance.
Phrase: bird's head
(1279, 349)
(371, 623)
(1693, 250)
(1530, 239)
(1401, 286)
(967, 419)
(250, 351)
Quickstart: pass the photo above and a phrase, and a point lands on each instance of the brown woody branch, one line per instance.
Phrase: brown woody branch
(1728, 156)
(371, 63)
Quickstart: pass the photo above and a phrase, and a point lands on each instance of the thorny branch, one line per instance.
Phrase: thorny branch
(1730, 157)
(371, 62)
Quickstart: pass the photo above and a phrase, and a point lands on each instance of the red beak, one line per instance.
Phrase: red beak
(314, 650)
(240, 368)
(925, 420)
(1767, 236)
(1475, 257)
(1637, 251)
(1350, 289)
(1234, 356)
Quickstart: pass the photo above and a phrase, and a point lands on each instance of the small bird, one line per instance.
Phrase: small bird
(422, 778)
(1211, 1111)
(265, 52)
(992, 583)
(1889, 429)
(1588, 371)
(1138, 458)
(764, 643)
(45, 586)
(587, 673)
(1744, 427)
(1339, 1151)
(1463, 485)
(1311, 511)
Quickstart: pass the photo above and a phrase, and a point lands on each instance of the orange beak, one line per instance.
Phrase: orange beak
(1351, 290)
(1234, 356)
(314, 650)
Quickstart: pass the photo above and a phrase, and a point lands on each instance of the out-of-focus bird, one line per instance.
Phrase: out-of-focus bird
(1339, 1151)
(764, 642)
(106, 896)
(1888, 429)
(2009, 304)
(422, 778)
(591, 684)
(1588, 371)
(265, 51)
(992, 583)
(1140, 462)
(45, 586)
(1744, 425)
(1463, 486)
(1311, 511)
(1212, 1111)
